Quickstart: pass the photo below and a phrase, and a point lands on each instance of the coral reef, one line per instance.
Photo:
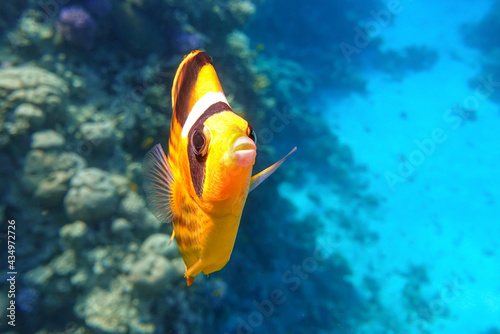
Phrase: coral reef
(114, 311)
(76, 26)
(478, 34)
(75, 125)
(30, 84)
(100, 135)
(399, 62)
(73, 235)
(30, 97)
(28, 116)
(154, 273)
(46, 174)
(298, 41)
(92, 195)
(32, 36)
(159, 244)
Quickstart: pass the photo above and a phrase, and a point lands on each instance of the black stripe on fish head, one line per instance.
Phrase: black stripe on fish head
(189, 76)
(197, 163)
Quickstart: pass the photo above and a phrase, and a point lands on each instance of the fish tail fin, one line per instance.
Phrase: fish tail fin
(158, 181)
(259, 178)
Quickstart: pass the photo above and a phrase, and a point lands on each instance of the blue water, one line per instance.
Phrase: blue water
(385, 220)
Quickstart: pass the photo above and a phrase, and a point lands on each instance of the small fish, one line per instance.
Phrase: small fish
(147, 142)
(202, 184)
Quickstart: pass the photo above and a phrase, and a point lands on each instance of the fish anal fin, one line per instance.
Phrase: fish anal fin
(259, 178)
(189, 280)
(158, 181)
(194, 270)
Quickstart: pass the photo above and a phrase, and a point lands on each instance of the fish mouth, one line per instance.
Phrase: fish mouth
(244, 151)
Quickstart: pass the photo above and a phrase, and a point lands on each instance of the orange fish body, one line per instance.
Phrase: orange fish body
(203, 183)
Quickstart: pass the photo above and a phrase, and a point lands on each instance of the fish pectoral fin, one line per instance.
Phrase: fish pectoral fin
(259, 178)
(158, 180)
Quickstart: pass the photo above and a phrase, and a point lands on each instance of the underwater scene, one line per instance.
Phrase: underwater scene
(138, 139)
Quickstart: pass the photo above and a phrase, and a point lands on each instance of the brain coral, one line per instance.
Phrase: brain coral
(31, 84)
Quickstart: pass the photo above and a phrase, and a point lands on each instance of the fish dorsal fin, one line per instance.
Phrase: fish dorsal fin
(158, 180)
(194, 78)
(259, 178)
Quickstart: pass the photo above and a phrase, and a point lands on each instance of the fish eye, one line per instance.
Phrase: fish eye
(251, 133)
(199, 143)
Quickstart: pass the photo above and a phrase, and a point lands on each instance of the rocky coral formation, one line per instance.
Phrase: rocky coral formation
(160, 244)
(114, 311)
(31, 84)
(74, 127)
(28, 116)
(46, 174)
(76, 26)
(30, 98)
(412, 58)
(73, 235)
(47, 140)
(100, 135)
(154, 273)
(92, 195)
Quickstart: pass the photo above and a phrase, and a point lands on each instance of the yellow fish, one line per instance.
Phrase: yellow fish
(203, 183)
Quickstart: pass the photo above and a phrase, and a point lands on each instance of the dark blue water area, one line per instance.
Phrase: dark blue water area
(385, 220)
